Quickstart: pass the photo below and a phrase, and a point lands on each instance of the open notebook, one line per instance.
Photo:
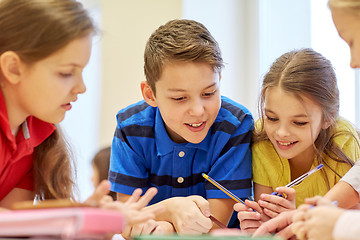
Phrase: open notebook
(63, 223)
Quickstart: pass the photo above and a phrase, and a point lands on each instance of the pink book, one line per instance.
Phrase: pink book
(64, 223)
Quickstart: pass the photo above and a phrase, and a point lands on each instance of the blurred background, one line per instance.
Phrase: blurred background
(251, 34)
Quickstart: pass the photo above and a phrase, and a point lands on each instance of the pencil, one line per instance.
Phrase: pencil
(220, 224)
(216, 184)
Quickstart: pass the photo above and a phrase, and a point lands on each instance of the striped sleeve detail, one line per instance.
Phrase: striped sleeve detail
(122, 116)
(134, 131)
(230, 184)
(128, 180)
(236, 111)
(237, 140)
(223, 126)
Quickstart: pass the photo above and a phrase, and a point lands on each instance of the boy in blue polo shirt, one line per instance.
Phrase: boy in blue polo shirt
(181, 129)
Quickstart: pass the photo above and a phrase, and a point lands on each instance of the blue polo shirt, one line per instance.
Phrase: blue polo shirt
(144, 156)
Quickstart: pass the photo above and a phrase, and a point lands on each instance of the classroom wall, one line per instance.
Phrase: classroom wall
(126, 26)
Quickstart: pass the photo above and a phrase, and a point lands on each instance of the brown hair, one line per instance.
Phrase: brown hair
(307, 73)
(35, 29)
(180, 40)
(101, 161)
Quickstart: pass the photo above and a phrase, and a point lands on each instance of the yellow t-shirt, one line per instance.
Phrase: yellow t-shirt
(269, 169)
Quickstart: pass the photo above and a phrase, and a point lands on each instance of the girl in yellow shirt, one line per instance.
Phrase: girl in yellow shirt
(299, 128)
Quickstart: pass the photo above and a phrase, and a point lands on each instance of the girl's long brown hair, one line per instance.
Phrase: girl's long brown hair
(306, 72)
(35, 29)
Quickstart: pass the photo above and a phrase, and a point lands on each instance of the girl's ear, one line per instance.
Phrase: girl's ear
(327, 123)
(148, 94)
(10, 65)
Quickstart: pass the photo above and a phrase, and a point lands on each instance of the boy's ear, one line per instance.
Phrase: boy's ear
(10, 65)
(148, 94)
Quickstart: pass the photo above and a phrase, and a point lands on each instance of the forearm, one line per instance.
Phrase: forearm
(222, 210)
(344, 194)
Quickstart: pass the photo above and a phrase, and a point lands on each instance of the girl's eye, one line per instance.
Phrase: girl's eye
(301, 123)
(66, 75)
(271, 119)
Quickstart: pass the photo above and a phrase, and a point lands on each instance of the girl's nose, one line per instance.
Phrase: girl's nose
(282, 131)
(80, 87)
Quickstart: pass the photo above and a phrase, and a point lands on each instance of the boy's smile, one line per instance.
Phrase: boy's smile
(188, 98)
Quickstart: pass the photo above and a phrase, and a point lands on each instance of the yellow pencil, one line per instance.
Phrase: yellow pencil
(216, 184)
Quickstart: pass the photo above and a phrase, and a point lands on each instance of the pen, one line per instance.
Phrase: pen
(301, 178)
(219, 186)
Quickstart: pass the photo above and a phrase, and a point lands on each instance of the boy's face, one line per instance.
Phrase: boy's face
(188, 97)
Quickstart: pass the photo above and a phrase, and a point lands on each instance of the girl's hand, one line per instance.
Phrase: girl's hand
(249, 220)
(189, 215)
(273, 205)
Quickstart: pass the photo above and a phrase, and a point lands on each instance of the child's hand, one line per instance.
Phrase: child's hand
(133, 209)
(273, 205)
(315, 222)
(101, 190)
(146, 228)
(250, 220)
(280, 226)
(189, 215)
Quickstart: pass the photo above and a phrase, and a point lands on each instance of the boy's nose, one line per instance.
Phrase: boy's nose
(197, 108)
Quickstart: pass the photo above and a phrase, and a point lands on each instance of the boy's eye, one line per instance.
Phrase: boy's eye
(209, 93)
(178, 98)
(301, 123)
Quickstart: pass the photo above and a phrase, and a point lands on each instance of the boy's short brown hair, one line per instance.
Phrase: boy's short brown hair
(180, 40)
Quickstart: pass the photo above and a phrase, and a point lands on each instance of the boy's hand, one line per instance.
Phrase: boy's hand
(250, 220)
(189, 215)
(273, 205)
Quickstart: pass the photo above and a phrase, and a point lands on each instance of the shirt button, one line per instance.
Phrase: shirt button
(181, 153)
(180, 179)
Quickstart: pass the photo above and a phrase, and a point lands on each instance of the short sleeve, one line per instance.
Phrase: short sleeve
(27, 182)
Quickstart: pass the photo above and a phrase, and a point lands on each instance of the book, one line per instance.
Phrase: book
(63, 223)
